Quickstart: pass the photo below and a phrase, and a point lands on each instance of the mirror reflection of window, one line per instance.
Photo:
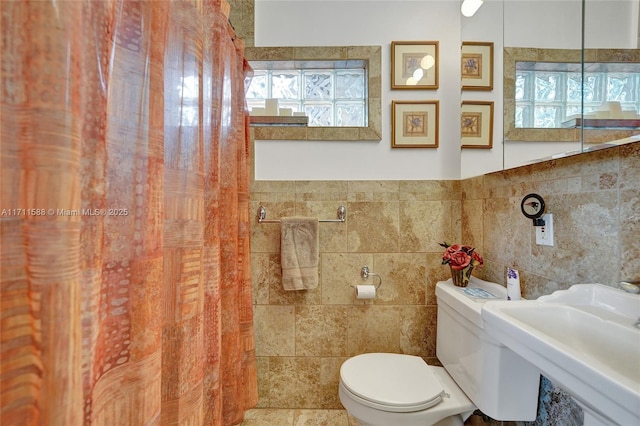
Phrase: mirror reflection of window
(329, 95)
(549, 95)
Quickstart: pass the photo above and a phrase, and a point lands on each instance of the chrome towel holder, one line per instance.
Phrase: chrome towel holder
(341, 216)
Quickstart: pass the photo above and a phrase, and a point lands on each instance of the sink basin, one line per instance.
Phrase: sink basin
(584, 340)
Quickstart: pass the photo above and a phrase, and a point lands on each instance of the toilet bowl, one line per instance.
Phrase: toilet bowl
(387, 389)
(402, 390)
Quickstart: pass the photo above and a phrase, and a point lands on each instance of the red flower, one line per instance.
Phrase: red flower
(460, 256)
(477, 259)
(459, 260)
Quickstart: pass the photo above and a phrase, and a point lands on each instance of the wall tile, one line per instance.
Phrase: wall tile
(424, 224)
(394, 227)
(403, 278)
(629, 169)
(332, 235)
(629, 234)
(373, 227)
(321, 330)
(341, 271)
(373, 329)
(418, 330)
(274, 330)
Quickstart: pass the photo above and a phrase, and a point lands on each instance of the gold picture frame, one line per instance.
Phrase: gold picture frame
(414, 124)
(414, 65)
(476, 124)
(476, 65)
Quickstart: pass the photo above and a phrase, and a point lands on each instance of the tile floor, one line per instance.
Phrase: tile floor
(305, 417)
(297, 417)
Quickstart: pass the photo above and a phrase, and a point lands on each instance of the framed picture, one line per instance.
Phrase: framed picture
(477, 65)
(414, 65)
(414, 124)
(476, 124)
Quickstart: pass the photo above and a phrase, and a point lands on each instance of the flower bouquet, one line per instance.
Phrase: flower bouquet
(461, 259)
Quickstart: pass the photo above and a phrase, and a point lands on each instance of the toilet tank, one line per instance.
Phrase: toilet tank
(500, 383)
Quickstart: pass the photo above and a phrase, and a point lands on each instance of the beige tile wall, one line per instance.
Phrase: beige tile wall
(595, 201)
(394, 227)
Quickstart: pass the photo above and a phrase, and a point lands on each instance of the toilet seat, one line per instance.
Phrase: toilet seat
(391, 382)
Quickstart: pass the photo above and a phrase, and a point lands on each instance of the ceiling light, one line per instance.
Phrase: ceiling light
(469, 7)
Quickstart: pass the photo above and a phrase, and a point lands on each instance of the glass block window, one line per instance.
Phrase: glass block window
(329, 97)
(546, 99)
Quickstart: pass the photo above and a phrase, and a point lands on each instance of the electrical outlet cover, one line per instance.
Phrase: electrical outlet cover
(544, 234)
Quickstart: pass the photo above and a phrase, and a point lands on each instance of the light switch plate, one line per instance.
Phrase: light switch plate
(544, 234)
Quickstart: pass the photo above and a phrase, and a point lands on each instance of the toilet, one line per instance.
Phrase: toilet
(387, 389)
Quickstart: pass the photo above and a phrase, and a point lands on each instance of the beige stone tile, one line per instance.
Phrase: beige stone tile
(507, 233)
(264, 269)
(337, 194)
(321, 190)
(506, 178)
(629, 232)
(586, 236)
(321, 331)
(630, 166)
(279, 296)
(435, 272)
(340, 271)
(373, 186)
(472, 224)
(320, 52)
(429, 190)
(534, 285)
(321, 418)
(424, 224)
(294, 382)
(332, 235)
(262, 366)
(270, 186)
(493, 271)
(305, 382)
(274, 330)
(373, 227)
(265, 237)
(329, 382)
(472, 188)
(371, 190)
(281, 133)
(418, 330)
(373, 329)
(594, 164)
(268, 417)
(403, 278)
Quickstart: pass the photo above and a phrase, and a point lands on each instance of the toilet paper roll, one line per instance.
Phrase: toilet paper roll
(365, 292)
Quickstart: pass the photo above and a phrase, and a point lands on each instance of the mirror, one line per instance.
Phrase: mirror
(539, 34)
(525, 24)
(320, 59)
(543, 94)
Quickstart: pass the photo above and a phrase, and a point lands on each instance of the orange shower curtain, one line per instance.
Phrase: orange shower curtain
(126, 292)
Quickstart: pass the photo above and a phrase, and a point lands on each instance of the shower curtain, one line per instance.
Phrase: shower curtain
(125, 264)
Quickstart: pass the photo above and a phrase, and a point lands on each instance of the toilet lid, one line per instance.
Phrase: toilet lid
(392, 382)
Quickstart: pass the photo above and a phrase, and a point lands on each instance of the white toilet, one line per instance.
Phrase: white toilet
(384, 389)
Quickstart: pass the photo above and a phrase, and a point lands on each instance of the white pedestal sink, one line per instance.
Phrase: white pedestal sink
(583, 339)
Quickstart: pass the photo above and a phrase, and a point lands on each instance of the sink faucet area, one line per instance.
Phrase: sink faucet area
(584, 339)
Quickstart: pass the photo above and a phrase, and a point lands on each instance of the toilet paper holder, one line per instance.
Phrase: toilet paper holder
(364, 274)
